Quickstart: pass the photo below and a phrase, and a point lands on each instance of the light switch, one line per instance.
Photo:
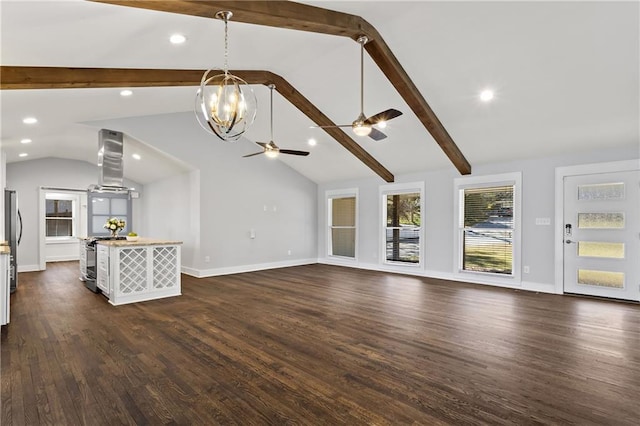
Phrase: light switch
(543, 221)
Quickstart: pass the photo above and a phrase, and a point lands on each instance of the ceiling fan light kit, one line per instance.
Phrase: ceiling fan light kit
(225, 104)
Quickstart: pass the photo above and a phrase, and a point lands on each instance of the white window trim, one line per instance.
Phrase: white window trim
(488, 181)
(400, 188)
(340, 193)
(75, 198)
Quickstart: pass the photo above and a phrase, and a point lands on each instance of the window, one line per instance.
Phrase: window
(60, 215)
(488, 225)
(342, 223)
(402, 223)
(103, 206)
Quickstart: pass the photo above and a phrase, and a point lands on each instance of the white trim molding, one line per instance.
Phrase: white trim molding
(461, 183)
(203, 273)
(400, 188)
(340, 193)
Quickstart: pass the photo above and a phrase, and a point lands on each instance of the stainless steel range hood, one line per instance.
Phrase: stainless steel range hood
(110, 162)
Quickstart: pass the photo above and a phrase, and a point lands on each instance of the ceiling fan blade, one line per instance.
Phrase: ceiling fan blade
(376, 134)
(383, 116)
(251, 155)
(294, 152)
(262, 144)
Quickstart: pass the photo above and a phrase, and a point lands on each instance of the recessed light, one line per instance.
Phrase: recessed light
(177, 39)
(486, 95)
(126, 93)
(22, 154)
(26, 141)
(30, 120)
(136, 156)
(312, 142)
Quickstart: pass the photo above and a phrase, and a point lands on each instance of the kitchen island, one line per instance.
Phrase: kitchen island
(135, 271)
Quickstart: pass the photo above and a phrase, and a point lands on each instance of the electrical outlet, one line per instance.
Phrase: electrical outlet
(288, 252)
(207, 259)
(526, 269)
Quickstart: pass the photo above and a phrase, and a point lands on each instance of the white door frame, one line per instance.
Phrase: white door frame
(81, 224)
(561, 173)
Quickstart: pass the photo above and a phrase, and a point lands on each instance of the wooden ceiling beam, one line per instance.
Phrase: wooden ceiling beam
(302, 17)
(24, 78)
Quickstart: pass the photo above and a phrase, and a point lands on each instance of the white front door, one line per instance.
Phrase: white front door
(602, 235)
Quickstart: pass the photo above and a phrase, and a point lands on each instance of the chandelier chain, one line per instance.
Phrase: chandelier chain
(226, 47)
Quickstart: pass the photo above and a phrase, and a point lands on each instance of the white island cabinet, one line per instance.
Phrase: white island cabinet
(135, 271)
(4, 285)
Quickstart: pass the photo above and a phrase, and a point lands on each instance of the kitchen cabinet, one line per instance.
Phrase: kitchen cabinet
(4, 286)
(102, 269)
(83, 258)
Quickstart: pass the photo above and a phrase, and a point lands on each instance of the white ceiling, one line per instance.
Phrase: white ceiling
(565, 74)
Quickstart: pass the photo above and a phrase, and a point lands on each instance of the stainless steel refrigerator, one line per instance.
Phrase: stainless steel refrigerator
(12, 233)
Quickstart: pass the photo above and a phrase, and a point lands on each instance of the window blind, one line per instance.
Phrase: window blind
(343, 226)
(487, 230)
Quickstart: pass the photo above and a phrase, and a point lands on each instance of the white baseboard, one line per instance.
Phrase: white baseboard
(28, 268)
(540, 287)
(190, 271)
(203, 273)
(409, 270)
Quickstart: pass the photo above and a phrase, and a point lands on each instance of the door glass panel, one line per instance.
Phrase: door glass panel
(601, 278)
(602, 191)
(600, 249)
(601, 220)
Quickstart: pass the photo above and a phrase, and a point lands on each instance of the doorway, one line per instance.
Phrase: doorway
(601, 233)
(63, 219)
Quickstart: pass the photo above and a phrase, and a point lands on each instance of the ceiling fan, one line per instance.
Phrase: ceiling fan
(270, 149)
(363, 126)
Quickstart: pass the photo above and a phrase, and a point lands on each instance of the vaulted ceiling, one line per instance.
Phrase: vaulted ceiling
(565, 77)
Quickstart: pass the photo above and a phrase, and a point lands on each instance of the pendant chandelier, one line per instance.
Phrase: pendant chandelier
(225, 104)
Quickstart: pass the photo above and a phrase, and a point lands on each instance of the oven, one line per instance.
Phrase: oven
(92, 269)
(90, 248)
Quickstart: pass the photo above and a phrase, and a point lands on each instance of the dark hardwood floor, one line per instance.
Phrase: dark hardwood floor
(316, 345)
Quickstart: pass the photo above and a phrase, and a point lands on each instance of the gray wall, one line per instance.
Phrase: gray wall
(538, 188)
(236, 195)
(172, 211)
(26, 177)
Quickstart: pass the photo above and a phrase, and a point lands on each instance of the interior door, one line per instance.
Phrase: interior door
(602, 235)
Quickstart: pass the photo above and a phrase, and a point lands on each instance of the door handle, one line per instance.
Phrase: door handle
(569, 242)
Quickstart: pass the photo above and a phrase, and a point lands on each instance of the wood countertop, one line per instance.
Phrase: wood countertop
(139, 242)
